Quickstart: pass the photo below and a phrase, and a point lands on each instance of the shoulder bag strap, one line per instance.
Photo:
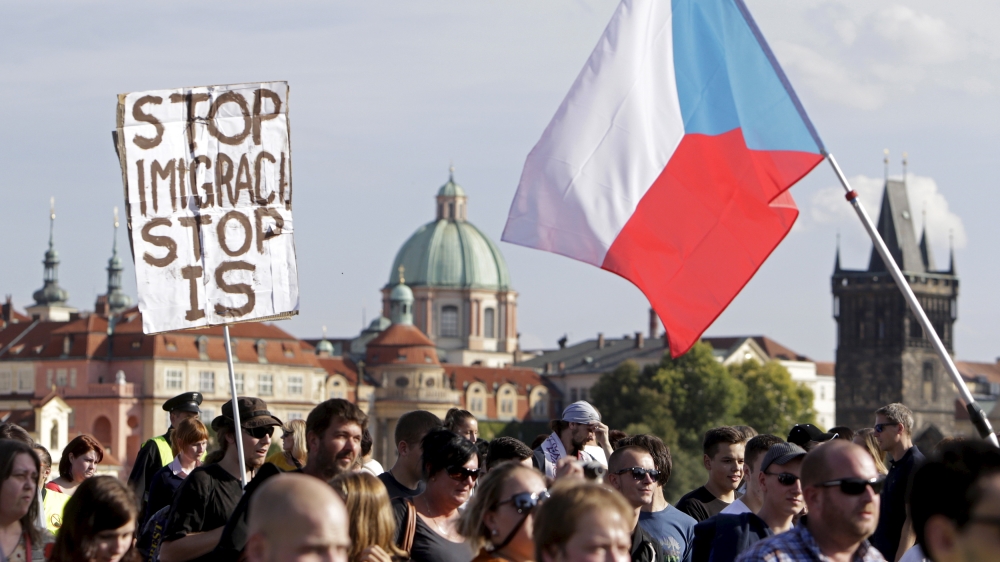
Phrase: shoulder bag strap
(411, 527)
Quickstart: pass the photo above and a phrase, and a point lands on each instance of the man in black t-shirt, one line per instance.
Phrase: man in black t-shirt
(893, 427)
(207, 497)
(632, 472)
(723, 447)
(333, 437)
(403, 480)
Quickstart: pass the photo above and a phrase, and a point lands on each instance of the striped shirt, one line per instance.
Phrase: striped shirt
(798, 545)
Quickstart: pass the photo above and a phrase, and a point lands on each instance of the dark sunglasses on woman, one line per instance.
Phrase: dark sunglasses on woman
(460, 473)
(856, 486)
(260, 432)
(526, 501)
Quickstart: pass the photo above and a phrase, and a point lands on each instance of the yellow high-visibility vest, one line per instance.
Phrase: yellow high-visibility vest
(52, 505)
(166, 454)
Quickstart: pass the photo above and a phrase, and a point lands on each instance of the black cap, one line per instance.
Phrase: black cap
(253, 413)
(187, 402)
(781, 454)
(804, 433)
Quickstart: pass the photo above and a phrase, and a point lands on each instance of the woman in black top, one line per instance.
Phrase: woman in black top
(450, 469)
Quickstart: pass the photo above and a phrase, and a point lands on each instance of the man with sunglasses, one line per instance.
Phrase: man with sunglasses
(841, 489)
(334, 430)
(723, 537)
(893, 431)
(207, 498)
(632, 472)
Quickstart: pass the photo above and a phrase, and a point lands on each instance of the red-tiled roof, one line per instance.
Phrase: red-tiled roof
(403, 344)
(826, 368)
(399, 335)
(773, 349)
(971, 370)
(520, 378)
(340, 366)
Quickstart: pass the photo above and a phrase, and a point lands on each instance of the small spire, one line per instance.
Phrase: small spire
(402, 280)
(885, 161)
(52, 221)
(904, 166)
(451, 172)
(836, 260)
(951, 252)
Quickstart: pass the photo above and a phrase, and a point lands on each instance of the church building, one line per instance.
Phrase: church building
(883, 354)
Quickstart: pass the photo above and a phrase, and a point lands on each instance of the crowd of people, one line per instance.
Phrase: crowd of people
(583, 492)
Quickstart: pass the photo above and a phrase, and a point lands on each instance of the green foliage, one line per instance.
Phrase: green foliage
(774, 401)
(679, 399)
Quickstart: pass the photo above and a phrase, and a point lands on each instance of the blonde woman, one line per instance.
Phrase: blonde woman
(292, 455)
(373, 526)
(499, 519)
(583, 522)
(866, 438)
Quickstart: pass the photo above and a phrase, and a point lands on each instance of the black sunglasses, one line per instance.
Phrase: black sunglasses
(526, 501)
(460, 473)
(784, 478)
(880, 427)
(260, 432)
(640, 473)
(856, 486)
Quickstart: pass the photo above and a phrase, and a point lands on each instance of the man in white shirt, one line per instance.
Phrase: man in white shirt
(753, 498)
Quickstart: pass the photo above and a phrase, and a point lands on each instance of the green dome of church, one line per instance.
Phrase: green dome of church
(450, 251)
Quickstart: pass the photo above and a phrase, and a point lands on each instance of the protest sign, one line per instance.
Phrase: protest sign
(208, 191)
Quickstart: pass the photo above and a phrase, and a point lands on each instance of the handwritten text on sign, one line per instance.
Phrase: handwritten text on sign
(208, 186)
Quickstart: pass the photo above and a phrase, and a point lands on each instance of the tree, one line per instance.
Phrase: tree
(774, 402)
(623, 395)
(698, 393)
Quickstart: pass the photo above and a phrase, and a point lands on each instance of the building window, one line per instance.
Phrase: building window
(539, 403)
(206, 381)
(338, 389)
(929, 388)
(583, 394)
(238, 378)
(207, 414)
(5, 380)
(265, 385)
(449, 322)
(61, 377)
(476, 402)
(507, 398)
(489, 318)
(295, 384)
(572, 395)
(26, 380)
(173, 379)
(294, 416)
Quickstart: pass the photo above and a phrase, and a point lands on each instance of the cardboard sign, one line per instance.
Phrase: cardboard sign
(208, 192)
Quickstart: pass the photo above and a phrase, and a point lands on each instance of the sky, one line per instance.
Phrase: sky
(385, 96)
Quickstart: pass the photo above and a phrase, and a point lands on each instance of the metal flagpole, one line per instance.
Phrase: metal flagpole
(238, 437)
(976, 413)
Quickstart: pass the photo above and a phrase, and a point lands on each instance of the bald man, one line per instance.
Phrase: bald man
(841, 488)
(294, 517)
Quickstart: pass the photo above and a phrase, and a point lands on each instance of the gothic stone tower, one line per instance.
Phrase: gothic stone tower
(883, 355)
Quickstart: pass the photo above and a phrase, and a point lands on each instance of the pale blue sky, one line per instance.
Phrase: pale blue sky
(384, 95)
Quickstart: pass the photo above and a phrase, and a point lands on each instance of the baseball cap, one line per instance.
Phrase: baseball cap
(253, 413)
(804, 433)
(581, 412)
(780, 454)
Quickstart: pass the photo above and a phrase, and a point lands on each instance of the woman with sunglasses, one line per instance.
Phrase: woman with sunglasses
(292, 455)
(428, 522)
(498, 520)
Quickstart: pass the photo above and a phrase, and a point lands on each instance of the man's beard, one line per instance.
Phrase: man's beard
(577, 446)
(328, 467)
(254, 463)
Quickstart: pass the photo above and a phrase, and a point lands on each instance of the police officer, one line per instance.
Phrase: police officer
(156, 453)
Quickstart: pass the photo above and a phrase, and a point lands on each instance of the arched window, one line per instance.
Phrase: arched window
(475, 400)
(929, 388)
(539, 403)
(489, 319)
(449, 321)
(102, 432)
(54, 437)
(506, 402)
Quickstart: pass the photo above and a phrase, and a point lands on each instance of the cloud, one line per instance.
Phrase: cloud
(828, 206)
(830, 79)
(918, 38)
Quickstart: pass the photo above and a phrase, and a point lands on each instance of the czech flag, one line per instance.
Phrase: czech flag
(669, 161)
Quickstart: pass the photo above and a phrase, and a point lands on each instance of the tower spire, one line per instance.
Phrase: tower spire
(836, 260)
(117, 299)
(51, 293)
(904, 167)
(885, 161)
(951, 252)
